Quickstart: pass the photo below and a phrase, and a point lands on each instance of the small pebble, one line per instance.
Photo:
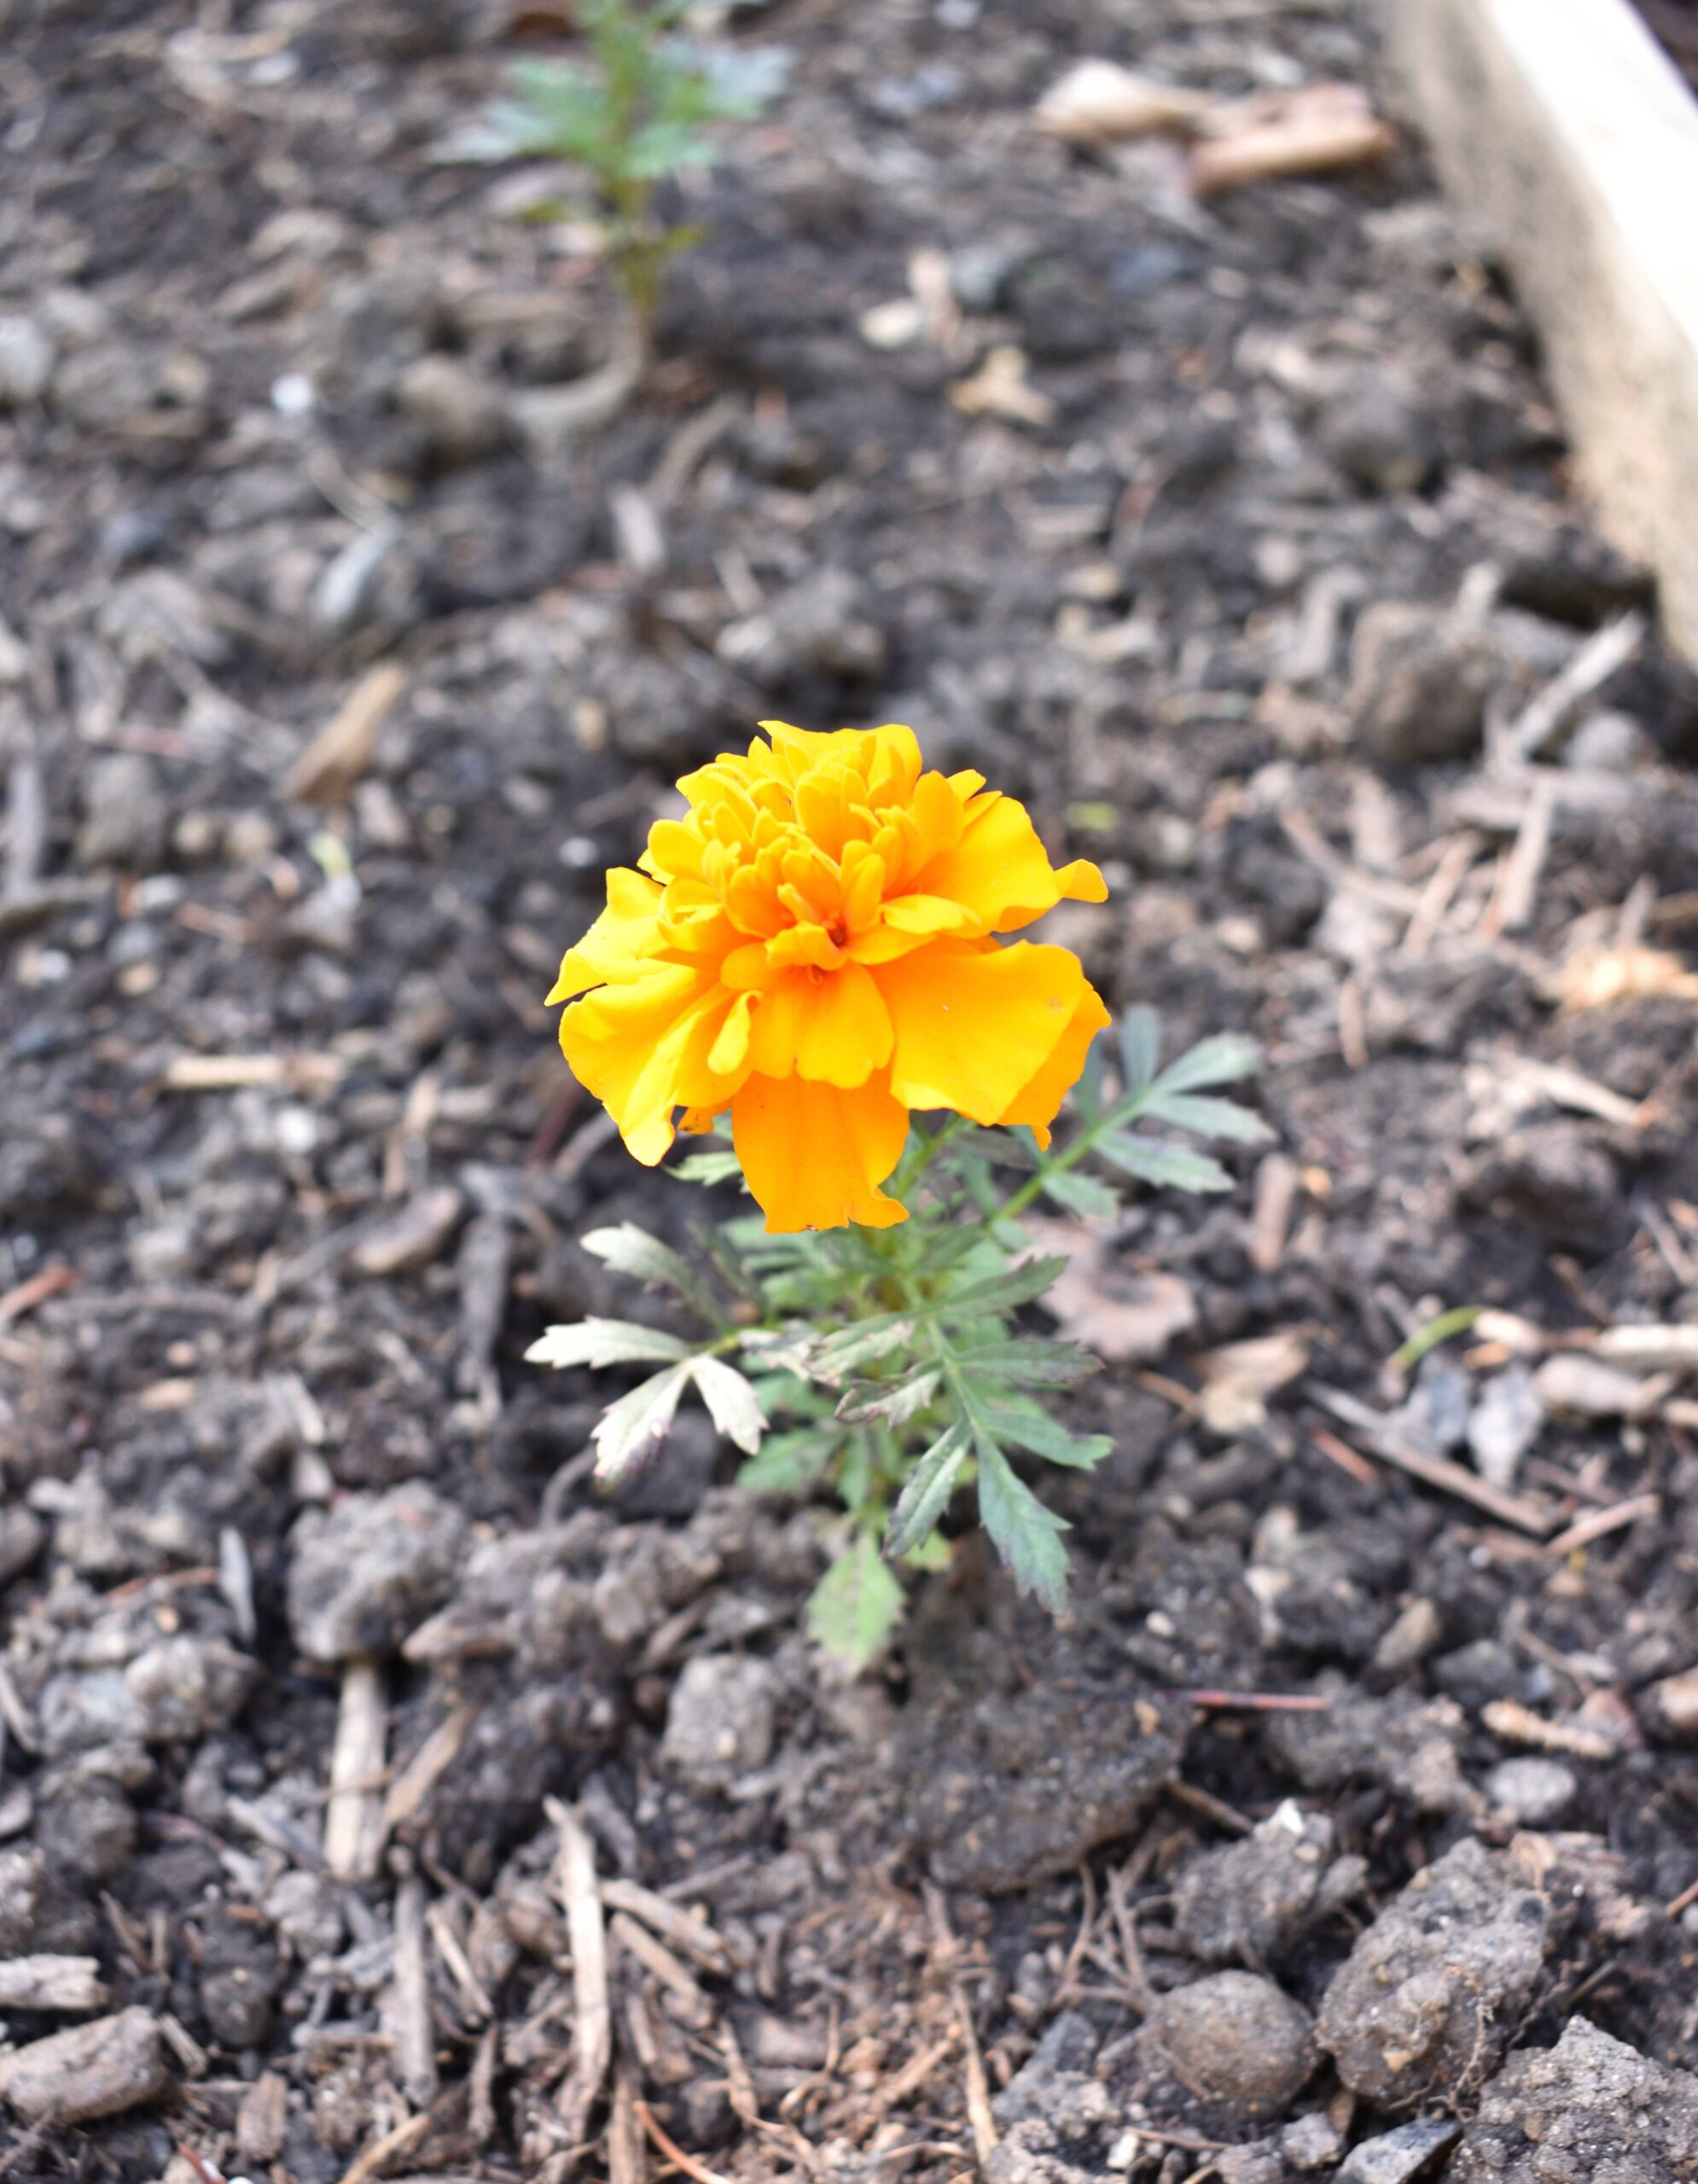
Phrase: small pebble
(1536, 1790)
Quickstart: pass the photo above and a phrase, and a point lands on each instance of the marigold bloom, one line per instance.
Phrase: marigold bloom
(814, 947)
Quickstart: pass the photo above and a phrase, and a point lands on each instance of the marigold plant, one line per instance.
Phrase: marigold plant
(815, 956)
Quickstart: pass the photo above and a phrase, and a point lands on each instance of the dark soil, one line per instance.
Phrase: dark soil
(291, 1173)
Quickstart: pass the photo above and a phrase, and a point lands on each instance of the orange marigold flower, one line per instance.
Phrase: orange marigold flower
(814, 947)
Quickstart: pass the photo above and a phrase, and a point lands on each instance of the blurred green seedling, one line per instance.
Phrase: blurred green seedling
(638, 109)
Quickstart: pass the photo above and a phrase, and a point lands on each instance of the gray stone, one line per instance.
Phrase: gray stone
(1400, 2156)
(306, 1911)
(126, 821)
(1429, 1996)
(1504, 1423)
(100, 2069)
(21, 1534)
(1535, 1791)
(1008, 1788)
(364, 1575)
(23, 1882)
(719, 1724)
(1312, 2142)
(27, 356)
(1408, 1745)
(1235, 2037)
(79, 1712)
(1610, 743)
(187, 1687)
(1245, 1902)
(1590, 2108)
(1420, 678)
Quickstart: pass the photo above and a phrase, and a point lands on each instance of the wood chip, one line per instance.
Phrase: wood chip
(1312, 130)
(1278, 1181)
(51, 1282)
(354, 1828)
(1602, 655)
(626, 2162)
(1517, 1724)
(686, 1931)
(1449, 1477)
(657, 1958)
(342, 749)
(592, 2029)
(94, 2069)
(1099, 103)
(416, 2035)
(1600, 1523)
(412, 1786)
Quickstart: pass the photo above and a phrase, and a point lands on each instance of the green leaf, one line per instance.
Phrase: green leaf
(632, 1250)
(932, 1552)
(596, 1343)
(856, 1604)
(1207, 1117)
(840, 1354)
(1034, 1429)
(895, 1402)
(927, 1494)
(1167, 1167)
(1083, 1196)
(707, 1168)
(1001, 1293)
(790, 1462)
(1219, 1060)
(637, 1424)
(1140, 1046)
(732, 1403)
(1026, 1534)
(1028, 1360)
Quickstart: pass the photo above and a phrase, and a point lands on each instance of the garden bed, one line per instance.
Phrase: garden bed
(340, 1712)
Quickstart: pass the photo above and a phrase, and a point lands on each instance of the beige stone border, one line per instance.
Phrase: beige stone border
(1562, 129)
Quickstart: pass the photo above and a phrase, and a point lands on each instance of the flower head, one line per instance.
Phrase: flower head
(816, 947)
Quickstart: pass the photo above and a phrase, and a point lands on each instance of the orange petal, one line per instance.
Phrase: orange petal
(626, 1043)
(975, 1022)
(1000, 870)
(615, 945)
(1038, 1100)
(815, 1155)
(844, 1032)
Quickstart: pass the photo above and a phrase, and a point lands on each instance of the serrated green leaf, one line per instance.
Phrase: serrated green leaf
(1002, 1148)
(856, 1604)
(895, 1401)
(1165, 1167)
(840, 1354)
(1084, 1196)
(927, 1494)
(1207, 1117)
(1026, 1534)
(597, 1343)
(790, 1462)
(1034, 1429)
(1001, 1293)
(1028, 1360)
(630, 1429)
(732, 1403)
(1220, 1060)
(1140, 1046)
(632, 1250)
